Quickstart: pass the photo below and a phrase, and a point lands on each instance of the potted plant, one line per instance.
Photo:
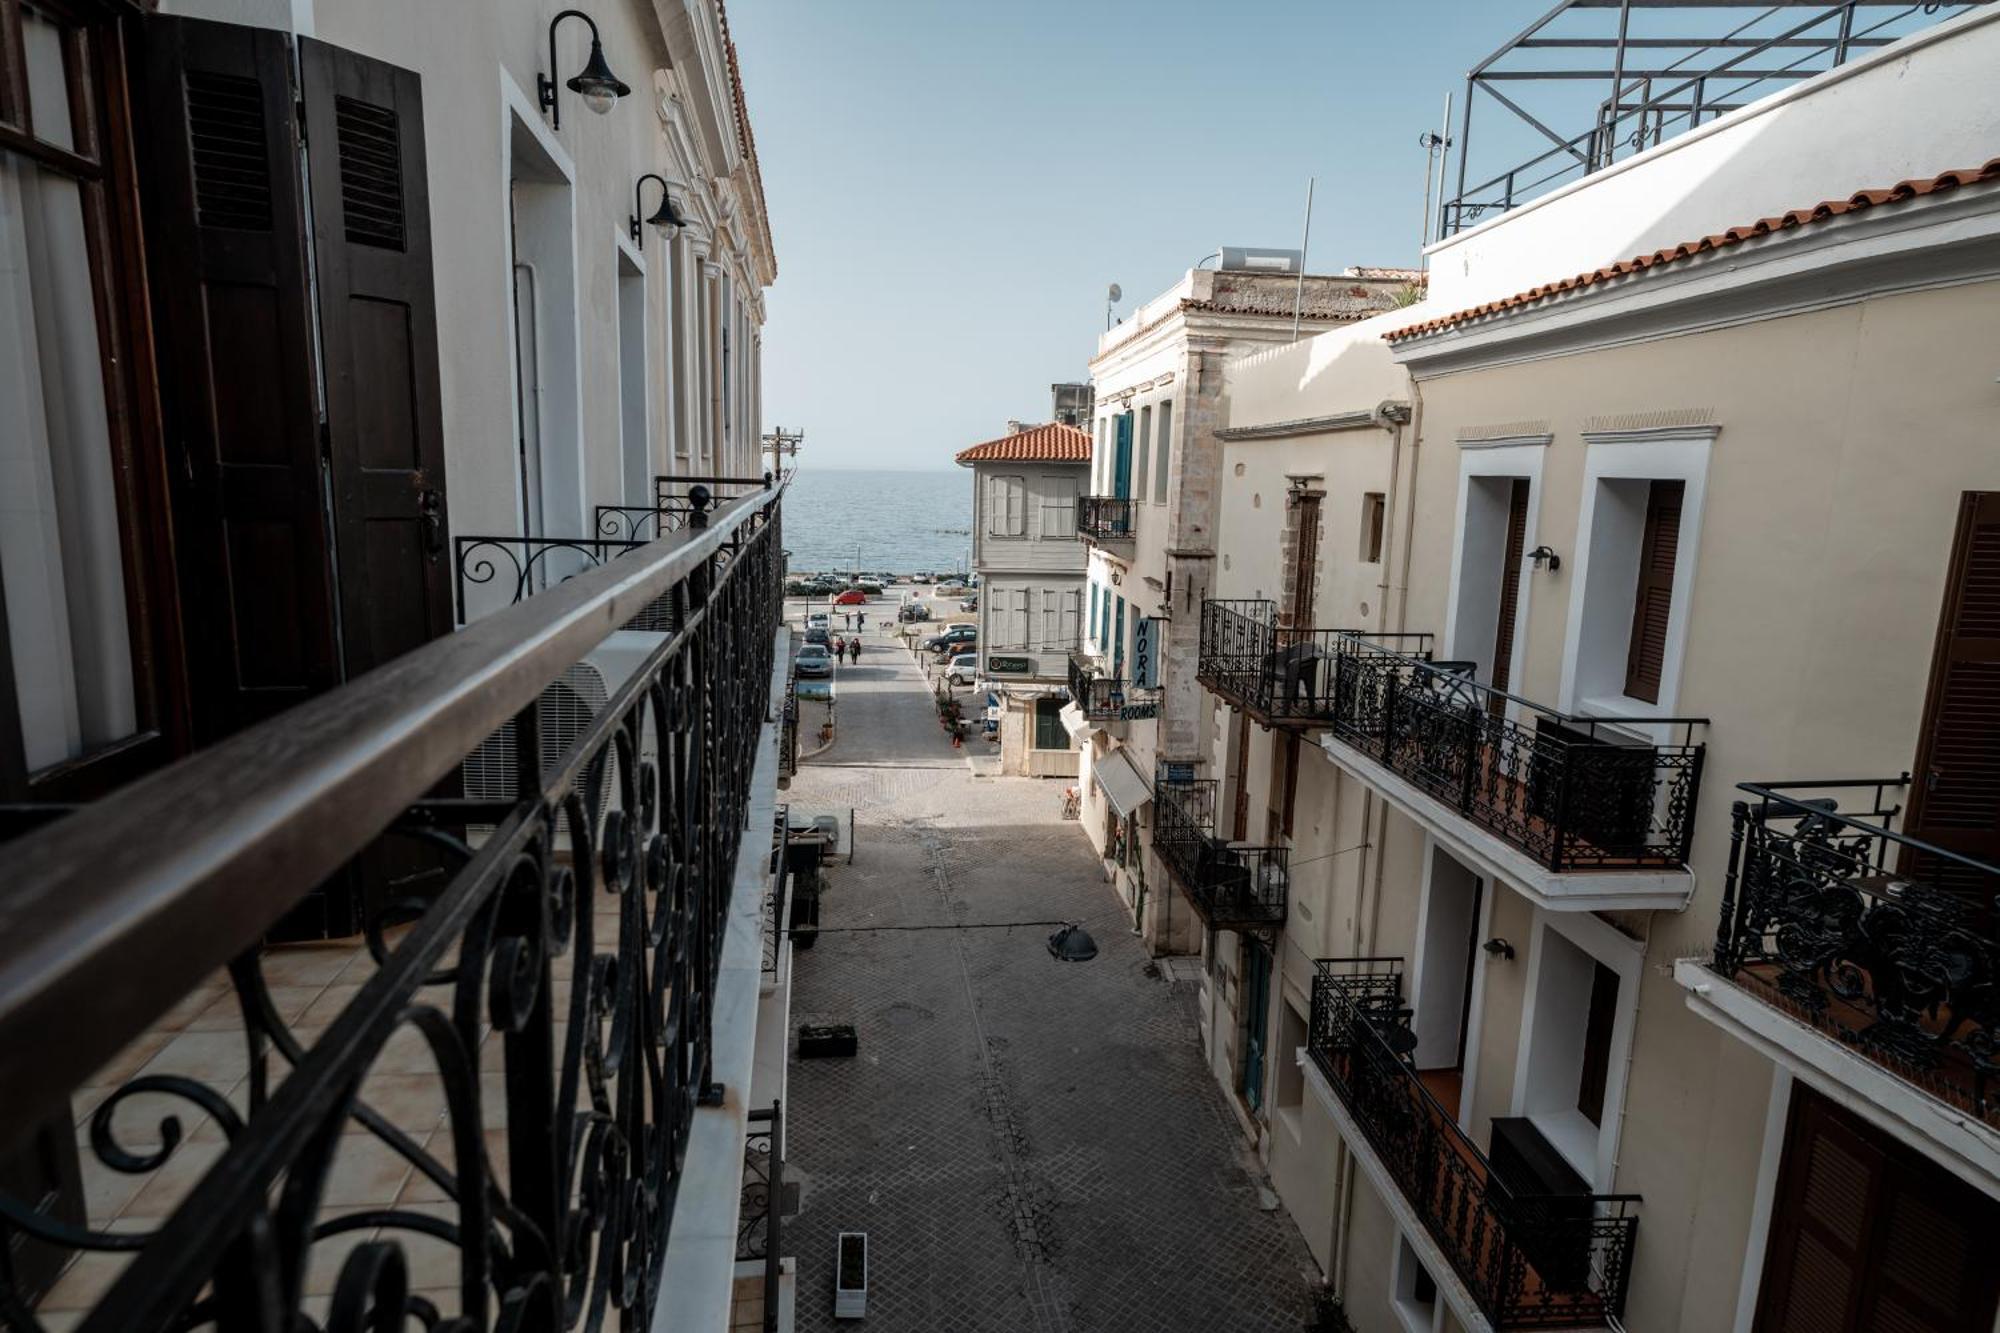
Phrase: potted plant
(850, 1276)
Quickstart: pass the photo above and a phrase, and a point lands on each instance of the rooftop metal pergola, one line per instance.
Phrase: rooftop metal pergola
(1642, 71)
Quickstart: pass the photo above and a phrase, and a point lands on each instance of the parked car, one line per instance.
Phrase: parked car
(873, 587)
(814, 659)
(818, 620)
(952, 589)
(970, 604)
(818, 635)
(964, 669)
(852, 597)
(958, 637)
(913, 612)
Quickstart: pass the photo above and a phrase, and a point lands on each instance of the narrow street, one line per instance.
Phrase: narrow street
(1030, 1145)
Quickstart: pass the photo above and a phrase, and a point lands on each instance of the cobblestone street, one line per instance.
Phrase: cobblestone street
(1029, 1145)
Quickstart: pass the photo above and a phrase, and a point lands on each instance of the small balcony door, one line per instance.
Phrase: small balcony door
(1121, 459)
(1868, 1234)
(1510, 592)
(1256, 1020)
(297, 337)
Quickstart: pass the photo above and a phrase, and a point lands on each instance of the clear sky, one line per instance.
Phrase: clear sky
(952, 183)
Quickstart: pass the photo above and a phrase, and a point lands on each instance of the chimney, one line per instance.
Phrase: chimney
(1015, 428)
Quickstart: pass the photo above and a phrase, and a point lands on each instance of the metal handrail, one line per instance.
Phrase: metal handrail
(120, 909)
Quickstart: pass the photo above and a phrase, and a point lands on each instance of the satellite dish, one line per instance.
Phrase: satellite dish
(1115, 294)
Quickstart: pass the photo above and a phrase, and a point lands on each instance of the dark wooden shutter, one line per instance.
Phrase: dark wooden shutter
(1653, 602)
(1867, 1234)
(378, 328)
(219, 177)
(1955, 800)
(1510, 591)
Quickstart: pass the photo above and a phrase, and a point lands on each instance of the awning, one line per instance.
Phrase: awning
(1075, 723)
(1121, 783)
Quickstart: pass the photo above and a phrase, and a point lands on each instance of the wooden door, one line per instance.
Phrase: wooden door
(378, 328)
(1653, 598)
(1868, 1234)
(225, 234)
(1510, 592)
(1955, 792)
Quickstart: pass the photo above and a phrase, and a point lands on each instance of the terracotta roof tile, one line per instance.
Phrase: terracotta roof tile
(1798, 217)
(1053, 443)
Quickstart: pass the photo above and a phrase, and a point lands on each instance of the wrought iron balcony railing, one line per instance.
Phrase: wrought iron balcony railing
(1889, 944)
(641, 523)
(759, 1226)
(1234, 887)
(589, 943)
(1276, 673)
(1572, 793)
(491, 572)
(698, 493)
(1103, 697)
(1106, 518)
(1529, 1261)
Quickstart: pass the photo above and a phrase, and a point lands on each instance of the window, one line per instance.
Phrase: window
(637, 449)
(1653, 598)
(1413, 1292)
(1602, 1014)
(1292, 1029)
(1097, 459)
(1118, 640)
(1140, 454)
(1093, 613)
(1162, 447)
(1068, 624)
(1374, 510)
(1050, 734)
(1006, 501)
(1058, 506)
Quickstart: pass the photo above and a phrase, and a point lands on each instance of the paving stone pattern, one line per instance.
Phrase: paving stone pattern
(1031, 1146)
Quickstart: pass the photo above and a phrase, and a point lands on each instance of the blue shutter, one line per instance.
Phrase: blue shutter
(1121, 463)
(1118, 642)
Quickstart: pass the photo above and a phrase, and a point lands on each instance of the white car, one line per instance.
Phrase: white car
(964, 669)
(819, 620)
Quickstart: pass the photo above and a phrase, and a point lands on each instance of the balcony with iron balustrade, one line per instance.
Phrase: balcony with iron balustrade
(1859, 956)
(1280, 675)
(1107, 519)
(525, 1083)
(1502, 1256)
(1578, 813)
(1233, 886)
(1103, 697)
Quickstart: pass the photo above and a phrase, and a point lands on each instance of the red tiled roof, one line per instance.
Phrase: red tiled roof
(1053, 443)
(1831, 208)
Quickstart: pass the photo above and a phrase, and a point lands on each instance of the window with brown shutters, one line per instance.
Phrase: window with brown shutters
(1510, 591)
(1955, 798)
(1653, 601)
(1868, 1234)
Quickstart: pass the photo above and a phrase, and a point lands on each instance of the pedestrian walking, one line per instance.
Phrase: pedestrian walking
(839, 648)
(854, 649)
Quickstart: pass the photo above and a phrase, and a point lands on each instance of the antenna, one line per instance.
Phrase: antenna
(1112, 296)
(1437, 148)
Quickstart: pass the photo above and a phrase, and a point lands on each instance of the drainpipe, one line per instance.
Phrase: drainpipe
(1410, 501)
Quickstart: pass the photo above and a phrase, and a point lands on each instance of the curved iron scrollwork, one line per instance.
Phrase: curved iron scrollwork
(1574, 793)
(572, 954)
(642, 523)
(494, 572)
(1528, 1262)
(1874, 937)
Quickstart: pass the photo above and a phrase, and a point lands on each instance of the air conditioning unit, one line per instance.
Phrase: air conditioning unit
(1261, 259)
(567, 709)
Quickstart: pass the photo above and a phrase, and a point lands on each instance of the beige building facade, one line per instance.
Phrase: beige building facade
(1636, 776)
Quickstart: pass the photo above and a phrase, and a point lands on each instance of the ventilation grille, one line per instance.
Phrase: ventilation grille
(232, 166)
(371, 173)
(567, 708)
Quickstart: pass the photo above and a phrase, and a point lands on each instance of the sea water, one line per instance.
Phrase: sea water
(901, 522)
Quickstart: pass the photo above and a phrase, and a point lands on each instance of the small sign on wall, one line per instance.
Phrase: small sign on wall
(1146, 654)
(1005, 666)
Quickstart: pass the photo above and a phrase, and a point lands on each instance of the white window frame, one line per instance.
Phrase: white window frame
(1163, 428)
(1591, 1151)
(1057, 498)
(1593, 670)
(1470, 622)
(1421, 961)
(1006, 504)
(1402, 1277)
(1142, 451)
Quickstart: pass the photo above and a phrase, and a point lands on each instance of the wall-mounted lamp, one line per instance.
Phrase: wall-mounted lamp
(665, 218)
(1499, 948)
(1543, 554)
(599, 88)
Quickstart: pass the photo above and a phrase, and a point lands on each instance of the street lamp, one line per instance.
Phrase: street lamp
(599, 88)
(666, 219)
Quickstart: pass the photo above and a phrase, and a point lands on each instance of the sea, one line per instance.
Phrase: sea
(880, 521)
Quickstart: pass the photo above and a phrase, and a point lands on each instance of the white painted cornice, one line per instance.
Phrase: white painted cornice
(1942, 240)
